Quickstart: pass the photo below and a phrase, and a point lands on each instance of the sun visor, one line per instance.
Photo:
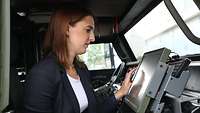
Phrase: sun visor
(103, 27)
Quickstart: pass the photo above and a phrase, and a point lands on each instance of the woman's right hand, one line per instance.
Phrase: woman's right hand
(126, 84)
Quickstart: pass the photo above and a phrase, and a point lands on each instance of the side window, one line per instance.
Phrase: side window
(158, 29)
(101, 56)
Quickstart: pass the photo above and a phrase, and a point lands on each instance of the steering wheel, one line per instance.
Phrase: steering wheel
(108, 87)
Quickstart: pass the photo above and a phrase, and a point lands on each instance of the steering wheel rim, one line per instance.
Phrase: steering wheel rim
(118, 71)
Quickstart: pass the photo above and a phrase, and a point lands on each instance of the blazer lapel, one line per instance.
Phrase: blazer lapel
(88, 90)
(70, 92)
(67, 86)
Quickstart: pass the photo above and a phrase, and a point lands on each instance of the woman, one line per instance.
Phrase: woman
(60, 82)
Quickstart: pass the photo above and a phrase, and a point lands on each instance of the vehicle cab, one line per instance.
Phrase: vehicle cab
(128, 33)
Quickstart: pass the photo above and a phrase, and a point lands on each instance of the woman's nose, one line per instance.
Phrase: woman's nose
(92, 37)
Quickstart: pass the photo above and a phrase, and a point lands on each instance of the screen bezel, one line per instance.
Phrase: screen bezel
(163, 55)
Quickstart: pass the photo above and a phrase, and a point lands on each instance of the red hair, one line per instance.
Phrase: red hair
(55, 39)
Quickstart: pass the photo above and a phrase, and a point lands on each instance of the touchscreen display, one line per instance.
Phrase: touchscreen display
(142, 77)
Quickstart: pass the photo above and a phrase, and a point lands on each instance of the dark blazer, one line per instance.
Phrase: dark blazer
(48, 90)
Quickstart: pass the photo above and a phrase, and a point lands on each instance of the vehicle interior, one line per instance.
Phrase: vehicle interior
(127, 32)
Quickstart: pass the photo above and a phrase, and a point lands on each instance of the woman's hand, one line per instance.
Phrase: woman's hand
(126, 84)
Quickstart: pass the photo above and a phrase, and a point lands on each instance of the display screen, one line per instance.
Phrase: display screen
(141, 79)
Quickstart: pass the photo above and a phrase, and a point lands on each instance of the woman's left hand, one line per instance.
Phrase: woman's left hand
(126, 84)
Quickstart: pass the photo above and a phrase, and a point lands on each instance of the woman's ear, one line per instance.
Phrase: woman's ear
(68, 28)
(67, 31)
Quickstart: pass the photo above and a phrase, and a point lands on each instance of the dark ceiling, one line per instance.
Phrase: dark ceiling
(117, 15)
(101, 8)
(106, 11)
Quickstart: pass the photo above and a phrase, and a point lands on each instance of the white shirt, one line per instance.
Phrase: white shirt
(80, 93)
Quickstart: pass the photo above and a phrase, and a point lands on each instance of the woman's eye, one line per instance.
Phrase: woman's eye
(88, 30)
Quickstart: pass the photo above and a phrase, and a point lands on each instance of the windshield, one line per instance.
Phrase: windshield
(158, 29)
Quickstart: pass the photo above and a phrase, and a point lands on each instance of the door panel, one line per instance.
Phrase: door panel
(5, 52)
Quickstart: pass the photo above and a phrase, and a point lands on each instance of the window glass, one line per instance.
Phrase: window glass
(190, 14)
(158, 29)
(101, 56)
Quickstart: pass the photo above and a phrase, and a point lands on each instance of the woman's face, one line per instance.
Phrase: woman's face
(80, 35)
